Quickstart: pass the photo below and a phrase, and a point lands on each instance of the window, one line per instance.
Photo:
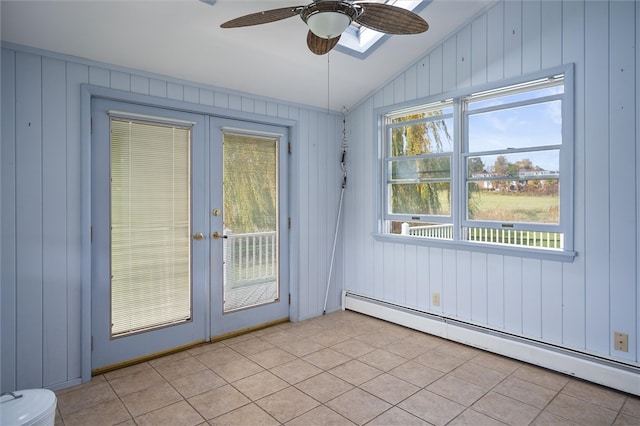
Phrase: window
(491, 168)
(150, 225)
(359, 41)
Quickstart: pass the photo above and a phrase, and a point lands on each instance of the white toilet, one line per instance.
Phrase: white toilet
(31, 407)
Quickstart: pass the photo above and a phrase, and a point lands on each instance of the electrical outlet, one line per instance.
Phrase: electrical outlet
(621, 341)
(435, 299)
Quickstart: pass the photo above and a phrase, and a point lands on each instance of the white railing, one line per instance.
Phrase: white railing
(250, 258)
(512, 237)
(444, 231)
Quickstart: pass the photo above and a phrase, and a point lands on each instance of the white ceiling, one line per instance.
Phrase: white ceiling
(183, 39)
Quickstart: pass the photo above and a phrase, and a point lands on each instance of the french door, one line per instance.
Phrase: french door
(249, 225)
(189, 233)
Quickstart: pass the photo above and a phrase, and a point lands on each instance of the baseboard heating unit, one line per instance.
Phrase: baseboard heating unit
(613, 374)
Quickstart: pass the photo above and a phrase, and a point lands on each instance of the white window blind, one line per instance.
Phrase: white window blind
(150, 225)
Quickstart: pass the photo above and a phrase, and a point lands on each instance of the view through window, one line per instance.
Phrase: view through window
(496, 179)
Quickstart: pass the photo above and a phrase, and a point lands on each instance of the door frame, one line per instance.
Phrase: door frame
(87, 92)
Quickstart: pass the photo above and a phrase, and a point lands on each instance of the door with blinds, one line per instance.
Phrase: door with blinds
(249, 225)
(149, 245)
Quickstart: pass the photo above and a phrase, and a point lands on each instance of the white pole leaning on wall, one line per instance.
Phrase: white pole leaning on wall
(338, 220)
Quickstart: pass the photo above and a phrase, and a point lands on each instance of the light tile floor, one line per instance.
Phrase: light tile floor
(341, 368)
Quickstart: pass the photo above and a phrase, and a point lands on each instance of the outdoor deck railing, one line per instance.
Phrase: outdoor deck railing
(250, 258)
(489, 235)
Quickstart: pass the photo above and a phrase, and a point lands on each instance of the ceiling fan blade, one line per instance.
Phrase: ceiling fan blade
(390, 19)
(263, 17)
(319, 45)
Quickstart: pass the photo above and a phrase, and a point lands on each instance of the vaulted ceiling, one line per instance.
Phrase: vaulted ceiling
(183, 39)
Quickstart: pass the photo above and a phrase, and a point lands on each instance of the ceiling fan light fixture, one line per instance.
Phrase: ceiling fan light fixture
(328, 19)
(328, 24)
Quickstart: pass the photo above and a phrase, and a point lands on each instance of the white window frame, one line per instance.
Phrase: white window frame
(459, 180)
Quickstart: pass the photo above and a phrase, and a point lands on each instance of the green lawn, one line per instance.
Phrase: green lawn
(515, 207)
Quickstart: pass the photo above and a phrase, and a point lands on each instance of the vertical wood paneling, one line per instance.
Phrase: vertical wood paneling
(29, 350)
(313, 212)
(411, 266)
(495, 42)
(8, 288)
(622, 153)
(637, 54)
(495, 290)
(422, 77)
(139, 84)
(367, 197)
(479, 50)
(388, 94)
(423, 283)
(54, 203)
(449, 65)
(479, 288)
(99, 76)
(531, 298)
(410, 83)
(463, 284)
(399, 89)
(235, 102)
(435, 71)
(531, 36)
(352, 227)
(551, 294)
(597, 202)
(436, 277)
(77, 74)
(512, 38)
(157, 88)
(323, 250)
(206, 97)
(260, 107)
(191, 94)
(393, 278)
(175, 91)
(573, 273)
(513, 294)
(379, 270)
(463, 57)
(221, 100)
(247, 104)
(303, 219)
(272, 109)
(120, 80)
(551, 45)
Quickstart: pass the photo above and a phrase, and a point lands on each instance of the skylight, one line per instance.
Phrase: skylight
(360, 42)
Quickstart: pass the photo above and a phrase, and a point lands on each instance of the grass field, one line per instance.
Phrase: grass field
(515, 207)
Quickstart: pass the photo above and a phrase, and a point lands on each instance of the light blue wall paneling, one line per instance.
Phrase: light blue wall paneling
(8, 216)
(575, 308)
(54, 224)
(623, 143)
(597, 158)
(42, 203)
(28, 202)
(577, 305)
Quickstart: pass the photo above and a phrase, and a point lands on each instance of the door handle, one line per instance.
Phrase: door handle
(217, 235)
(198, 236)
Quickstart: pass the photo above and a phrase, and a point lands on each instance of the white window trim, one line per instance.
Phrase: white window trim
(458, 182)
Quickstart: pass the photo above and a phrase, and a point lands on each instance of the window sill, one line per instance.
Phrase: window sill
(542, 254)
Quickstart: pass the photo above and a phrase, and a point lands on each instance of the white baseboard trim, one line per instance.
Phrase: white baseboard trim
(604, 372)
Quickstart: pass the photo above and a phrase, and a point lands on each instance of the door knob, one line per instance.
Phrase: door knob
(198, 236)
(217, 235)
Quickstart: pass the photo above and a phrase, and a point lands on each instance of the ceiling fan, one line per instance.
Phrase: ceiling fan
(327, 19)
